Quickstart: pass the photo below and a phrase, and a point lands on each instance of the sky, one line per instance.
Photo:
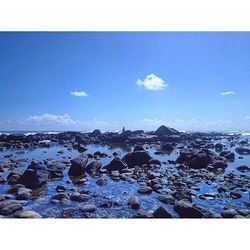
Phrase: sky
(192, 81)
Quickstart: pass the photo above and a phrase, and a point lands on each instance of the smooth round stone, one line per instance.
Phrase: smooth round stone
(134, 202)
(101, 182)
(28, 214)
(145, 190)
(87, 208)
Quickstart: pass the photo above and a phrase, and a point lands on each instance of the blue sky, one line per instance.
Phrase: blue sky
(81, 81)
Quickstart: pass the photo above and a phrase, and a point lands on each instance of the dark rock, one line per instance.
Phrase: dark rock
(218, 147)
(228, 155)
(161, 212)
(136, 158)
(166, 199)
(116, 164)
(134, 202)
(101, 182)
(163, 130)
(242, 151)
(138, 148)
(34, 178)
(14, 189)
(167, 147)
(93, 167)
(24, 193)
(145, 190)
(58, 197)
(229, 213)
(55, 170)
(78, 165)
(235, 194)
(219, 164)
(28, 215)
(154, 162)
(243, 169)
(80, 197)
(60, 189)
(87, 208)
(14, 177)
(69, 212)
(186, 210)
(8, 207)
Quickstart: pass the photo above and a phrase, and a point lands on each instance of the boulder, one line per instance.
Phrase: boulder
(87, 208)
(200, 161)
(145, 190)
(116, 165)
(9, 207)
(78, 165)
(34, 178)
(228, 155)
(186, 210)
(24, 193)
(243, 168)
(134, 202)
(93, 167)
(136, 158)
(161, 212)
(28, 215)
(55, 170)
(138, 148)
(242, 151)
(167, 147)
(163, 130)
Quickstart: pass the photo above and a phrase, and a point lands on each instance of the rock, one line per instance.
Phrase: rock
(93, 167)
(34, 178)
(101, 182)
(134, 202)
(69, 212)
(242, 151)
(87, 208)
(80, 197)
(60, 189)
(116, 164)
(14, 189)
(58, 197)
(138, 148)
(14, 177)
(199, 162)
(154, 162)
(163, 130)
(227, 155)
(24, 193)
(136, 158)
(243, 169)
(229, 213)
(235, 194)
(219, 164)
(28, 214)
(186, 210)
(166, 199)
(9, 207)
(167, 147)
(161, 212)
(212, 214)
(96, 132)
(78, 165)
(55, 170)
(145, 190)
(218, 147)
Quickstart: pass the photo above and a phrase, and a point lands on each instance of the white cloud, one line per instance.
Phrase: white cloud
(152, 82)
(227, 93)
(247, 117)
(79, 93)
(50, 119)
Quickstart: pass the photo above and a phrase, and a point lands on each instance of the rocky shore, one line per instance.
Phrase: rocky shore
(163, 175)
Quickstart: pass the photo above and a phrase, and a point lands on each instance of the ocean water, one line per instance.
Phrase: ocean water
(118, 191)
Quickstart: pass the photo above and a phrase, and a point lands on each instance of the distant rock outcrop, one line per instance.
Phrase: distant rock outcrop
(163, 130)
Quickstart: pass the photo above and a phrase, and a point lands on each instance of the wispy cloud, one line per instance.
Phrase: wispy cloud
(228, 93)
(79, 93)
(152, 82)
(247, 117)
(50, 119)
